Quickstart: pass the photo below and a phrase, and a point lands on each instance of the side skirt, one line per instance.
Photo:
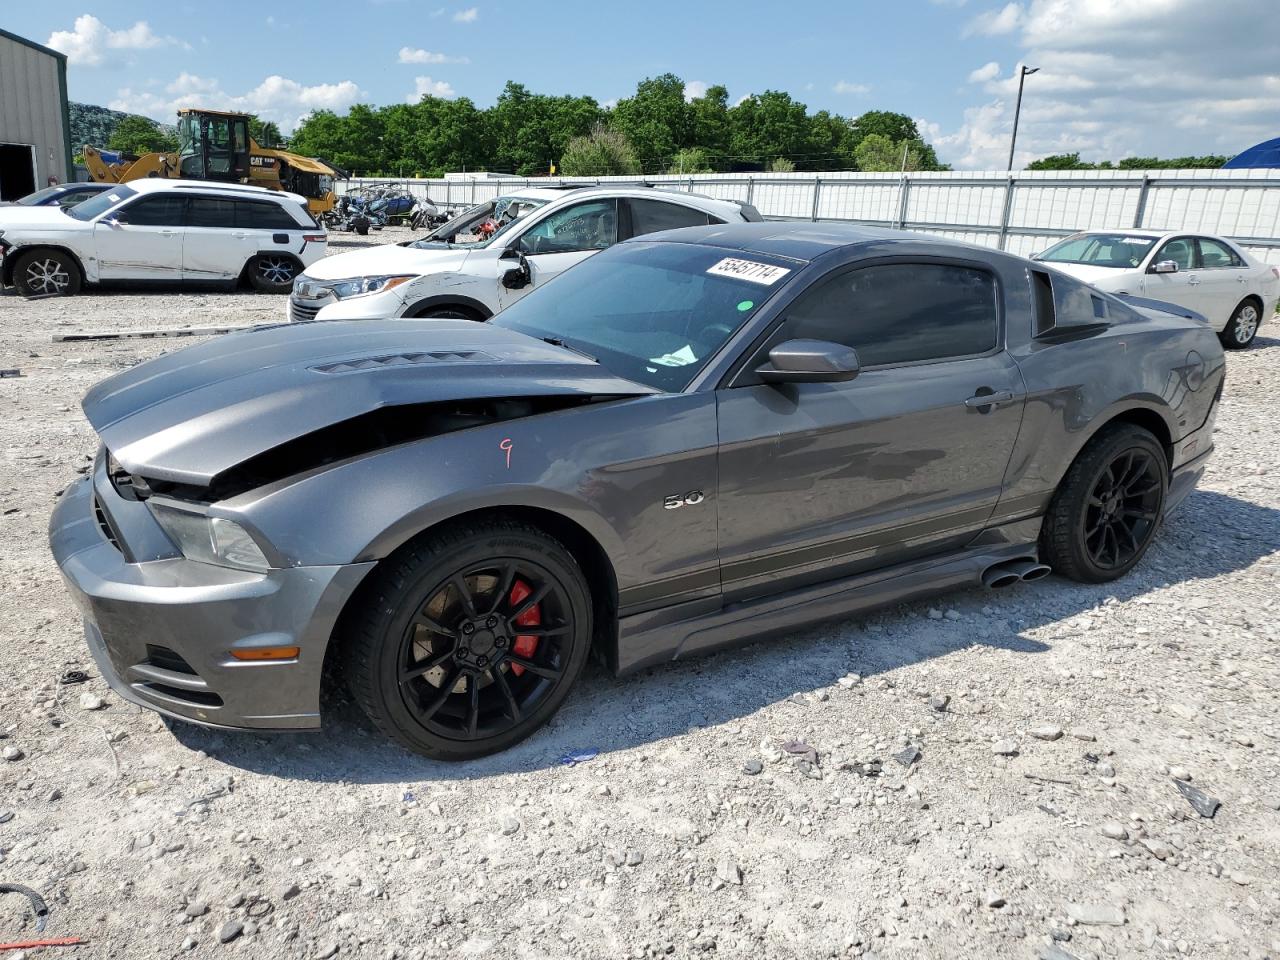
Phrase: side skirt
(704, 626)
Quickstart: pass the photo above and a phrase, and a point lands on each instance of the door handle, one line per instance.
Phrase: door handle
(1240, 279)
(168, 233)
(990, 399)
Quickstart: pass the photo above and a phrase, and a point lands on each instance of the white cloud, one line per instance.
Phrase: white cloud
(425, 86)
(90, 42)
(412, 55)
(693, 89)
(993, 23)
(855, 89)
(610, 103)
(1163, 78)
(468, 15)
(279, 99)
(985, 73)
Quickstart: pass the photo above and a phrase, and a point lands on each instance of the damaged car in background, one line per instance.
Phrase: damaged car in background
(490, 256)
(689, 440)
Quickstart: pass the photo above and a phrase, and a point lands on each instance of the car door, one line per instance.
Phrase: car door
(559, 240)
(142, 240)
(1182, 287)
(214, 248)
(1224, 280)
(819, 480)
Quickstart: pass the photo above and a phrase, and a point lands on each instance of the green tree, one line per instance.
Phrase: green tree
(139, 135)
(780, 165)
(829, 134)
(656, 120)
(353, 142)
(601, 153)
(895, 126)
(264, 132)
(711, 129)
(769, 125)
(529, 130)
(1060, 161)
(690, 160)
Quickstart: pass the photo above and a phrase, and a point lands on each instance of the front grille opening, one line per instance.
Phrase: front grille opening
(187, 696)
(103, 526)
(166, 659)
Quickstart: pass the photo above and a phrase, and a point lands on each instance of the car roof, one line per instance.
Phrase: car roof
(638, 190)
(157, 185)
(800, 240)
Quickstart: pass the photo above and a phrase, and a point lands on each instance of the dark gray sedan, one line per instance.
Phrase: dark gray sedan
(688, 440)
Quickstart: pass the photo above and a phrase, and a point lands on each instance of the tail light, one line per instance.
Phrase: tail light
(315, 237)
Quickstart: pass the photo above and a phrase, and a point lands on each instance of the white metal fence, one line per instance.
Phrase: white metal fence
(1020, 212)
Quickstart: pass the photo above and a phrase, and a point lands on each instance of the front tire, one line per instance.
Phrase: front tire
(1242, 327)
(272, 273)
(468, 640)
(46, 273)
(1108, 507)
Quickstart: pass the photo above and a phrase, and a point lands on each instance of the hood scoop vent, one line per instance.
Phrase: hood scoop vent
(403, 359)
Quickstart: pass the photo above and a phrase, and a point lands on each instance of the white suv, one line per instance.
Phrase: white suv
(161, 230)
(493, 254)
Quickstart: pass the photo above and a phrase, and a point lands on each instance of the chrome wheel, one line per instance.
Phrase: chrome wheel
(47, 276)
(1246, 324)
(276, 270)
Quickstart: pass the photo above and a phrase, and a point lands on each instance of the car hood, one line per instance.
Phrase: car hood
(1097, 276)
(387, 260)
(190, 415)
(20, 215)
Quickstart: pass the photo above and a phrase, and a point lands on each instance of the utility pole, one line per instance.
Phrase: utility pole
(1023, 72)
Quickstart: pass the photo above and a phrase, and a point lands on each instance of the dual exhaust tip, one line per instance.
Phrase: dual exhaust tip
(1022, 570)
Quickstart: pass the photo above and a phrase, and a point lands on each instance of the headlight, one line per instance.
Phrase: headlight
(360, 286)
(210, 539)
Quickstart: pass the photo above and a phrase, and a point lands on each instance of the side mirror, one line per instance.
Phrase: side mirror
(809, 361)
(518, 276)
(1165, 266)
(1036, 255)
(115, 219)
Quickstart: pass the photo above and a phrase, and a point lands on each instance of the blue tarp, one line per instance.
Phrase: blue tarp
(1266, 154)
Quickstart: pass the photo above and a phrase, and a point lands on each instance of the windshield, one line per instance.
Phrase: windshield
(654, 313)
(481, 224)
(35, 199)
(1120, 250)
(101, 203)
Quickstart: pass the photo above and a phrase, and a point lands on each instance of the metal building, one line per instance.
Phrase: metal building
(35, 130)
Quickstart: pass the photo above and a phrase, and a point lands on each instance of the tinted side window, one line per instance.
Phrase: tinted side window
(650, 216)
(898, 313)
(160, 210)
(584, 226)
(208, 212)
(1214, 254)
(263, 215)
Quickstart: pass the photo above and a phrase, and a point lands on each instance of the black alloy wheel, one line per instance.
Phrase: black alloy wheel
(487, 646)
(469, 638)
(1108, 507)
(1123, 509)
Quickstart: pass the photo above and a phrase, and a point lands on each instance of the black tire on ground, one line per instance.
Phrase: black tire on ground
(46, 273)
(455, 681)
(361, 227)
(272, 272)
(1243, 326)
(1108, 507)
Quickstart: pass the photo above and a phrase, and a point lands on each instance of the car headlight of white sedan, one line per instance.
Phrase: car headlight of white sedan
(354, 287)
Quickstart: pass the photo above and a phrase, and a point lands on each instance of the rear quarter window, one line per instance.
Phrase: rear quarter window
(264, 215)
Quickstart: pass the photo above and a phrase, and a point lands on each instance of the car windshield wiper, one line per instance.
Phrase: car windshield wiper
(560, 342)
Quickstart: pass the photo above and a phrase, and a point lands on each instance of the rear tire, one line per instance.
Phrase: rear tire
(272, 272)
(455, 682)
(46, 273)
(1242, 327)
(1108, 507)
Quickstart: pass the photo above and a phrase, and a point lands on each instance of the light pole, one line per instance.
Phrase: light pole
(1023, 72)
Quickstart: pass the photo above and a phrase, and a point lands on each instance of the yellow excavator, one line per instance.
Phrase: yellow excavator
(214, 145)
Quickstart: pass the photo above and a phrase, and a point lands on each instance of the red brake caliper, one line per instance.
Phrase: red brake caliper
(525, 646)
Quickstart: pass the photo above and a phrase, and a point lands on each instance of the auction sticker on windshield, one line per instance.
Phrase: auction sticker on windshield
(765, 273)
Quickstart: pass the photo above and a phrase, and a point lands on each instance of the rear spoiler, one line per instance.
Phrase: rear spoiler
(1161, 306)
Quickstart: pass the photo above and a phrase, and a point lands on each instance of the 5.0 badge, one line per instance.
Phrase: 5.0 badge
(690, 499)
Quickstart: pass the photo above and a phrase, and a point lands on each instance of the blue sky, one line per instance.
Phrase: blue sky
(1118, 77)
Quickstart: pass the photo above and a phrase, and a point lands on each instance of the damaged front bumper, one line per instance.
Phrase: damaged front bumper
(162, 631)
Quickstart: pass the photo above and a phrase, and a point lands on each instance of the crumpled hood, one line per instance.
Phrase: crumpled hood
(386, 260)
(1100, 277)
(188, 416)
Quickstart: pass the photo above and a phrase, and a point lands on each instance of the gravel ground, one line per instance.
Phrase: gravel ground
(1040, 818)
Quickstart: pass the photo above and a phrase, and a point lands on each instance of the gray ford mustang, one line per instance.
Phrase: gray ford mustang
(689, 439)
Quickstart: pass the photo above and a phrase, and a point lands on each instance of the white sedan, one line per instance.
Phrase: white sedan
(1207, 274)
